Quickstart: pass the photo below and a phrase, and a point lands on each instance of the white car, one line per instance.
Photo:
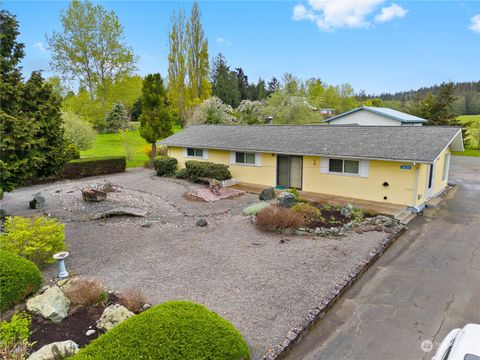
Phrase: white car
(460, 344)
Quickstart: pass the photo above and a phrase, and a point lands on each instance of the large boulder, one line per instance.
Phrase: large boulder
(267, 194)
(56, 350)
(112, 316)
(38, 202)
(52, 304)
(287, 200)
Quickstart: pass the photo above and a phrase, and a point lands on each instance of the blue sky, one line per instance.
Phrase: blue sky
(374, 45)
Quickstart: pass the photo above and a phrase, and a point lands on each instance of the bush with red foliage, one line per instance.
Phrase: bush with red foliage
(276, 218)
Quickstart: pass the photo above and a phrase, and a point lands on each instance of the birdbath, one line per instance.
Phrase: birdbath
(61, 256)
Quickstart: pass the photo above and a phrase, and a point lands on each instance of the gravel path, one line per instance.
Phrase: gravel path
(263, 285)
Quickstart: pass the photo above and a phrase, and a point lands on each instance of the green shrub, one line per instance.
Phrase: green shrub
(94, 166)
(165, 165)
(254, 209)
(173, 330)
(71, 152)
(310, 214)
(16, 330)
(199, 169)
(181, 174)
(36, 239)
(18, 279)
(14, 344)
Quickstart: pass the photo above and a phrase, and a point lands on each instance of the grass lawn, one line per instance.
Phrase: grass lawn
(467, 152)
(112, 145)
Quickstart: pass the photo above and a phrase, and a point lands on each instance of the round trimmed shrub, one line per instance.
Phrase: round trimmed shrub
(165, 165)
(310, 214)
(172, 330)
(18, 279)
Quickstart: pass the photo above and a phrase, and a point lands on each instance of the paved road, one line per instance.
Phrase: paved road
(426, 284)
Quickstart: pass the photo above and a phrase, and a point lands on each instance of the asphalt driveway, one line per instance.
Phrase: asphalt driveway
(426, 284)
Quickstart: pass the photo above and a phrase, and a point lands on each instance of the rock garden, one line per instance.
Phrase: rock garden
(256, 264)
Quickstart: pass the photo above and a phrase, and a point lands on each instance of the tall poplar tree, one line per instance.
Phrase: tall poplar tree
(197, 62)
(177, 64)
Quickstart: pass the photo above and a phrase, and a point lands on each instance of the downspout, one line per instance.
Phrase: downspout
(415, 188)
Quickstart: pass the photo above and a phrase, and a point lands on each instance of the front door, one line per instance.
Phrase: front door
(289, 171)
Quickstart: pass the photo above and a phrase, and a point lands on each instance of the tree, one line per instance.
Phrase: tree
(260, 90)
(117, 118)
(89, 48)
(78, 131)
(197, 61)
(156, 118)
(273, 85)
(225, 82)
(290, 84)
(250, 112)
(177, 64)
(243, 86)
(474, 132)
(212, 111)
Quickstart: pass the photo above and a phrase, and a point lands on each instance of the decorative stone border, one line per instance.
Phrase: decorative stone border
(318, 312)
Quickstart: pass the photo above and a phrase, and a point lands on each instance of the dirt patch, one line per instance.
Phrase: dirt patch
(73, 327)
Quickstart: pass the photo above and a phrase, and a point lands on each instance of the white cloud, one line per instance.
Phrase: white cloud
(221, 40)
(475, 23)
(391, 12)
(40, 46)
(334, 14)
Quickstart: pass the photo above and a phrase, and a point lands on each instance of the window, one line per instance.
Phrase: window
(244, 158)
(343, 166)
(195, 152)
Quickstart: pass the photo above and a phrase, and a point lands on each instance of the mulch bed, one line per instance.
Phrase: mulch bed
(332, 216)
(73, 327)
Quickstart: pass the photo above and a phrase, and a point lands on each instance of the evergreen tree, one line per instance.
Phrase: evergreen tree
(156, 118)
(242, 80)
(260, 91)
(117, 118)
(225, 82)
(273, 85)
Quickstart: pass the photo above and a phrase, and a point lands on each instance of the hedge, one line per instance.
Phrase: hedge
(79, 168)
(18, 279)
(165, 165)
(199, 169)
(175, 330)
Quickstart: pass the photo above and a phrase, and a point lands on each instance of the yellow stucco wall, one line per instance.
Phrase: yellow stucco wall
(438, 183)
(401, 189)
(261, 175)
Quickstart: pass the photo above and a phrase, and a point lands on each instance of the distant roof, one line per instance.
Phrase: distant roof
(390, 113)
(400, 143)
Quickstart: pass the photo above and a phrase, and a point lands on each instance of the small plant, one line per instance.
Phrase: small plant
(165, 165)
(133, 299)
(310, 214)
(357, 215)
(128, 144)
(254, 209)
(85, 291)
(72, 152)
(276, 218)
(14, 336)
(35, 239)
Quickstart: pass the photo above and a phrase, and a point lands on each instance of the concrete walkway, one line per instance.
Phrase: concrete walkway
(426, 284)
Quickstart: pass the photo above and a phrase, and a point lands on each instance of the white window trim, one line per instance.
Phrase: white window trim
(363, 166)
(233, 159)
(205, 153)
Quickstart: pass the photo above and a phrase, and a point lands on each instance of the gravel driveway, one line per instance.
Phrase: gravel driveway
(263, 283)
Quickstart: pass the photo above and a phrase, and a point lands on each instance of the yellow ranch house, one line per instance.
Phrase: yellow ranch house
(404, 165)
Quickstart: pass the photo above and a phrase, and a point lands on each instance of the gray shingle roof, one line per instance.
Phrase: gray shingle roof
(390, 113)
(403, 143)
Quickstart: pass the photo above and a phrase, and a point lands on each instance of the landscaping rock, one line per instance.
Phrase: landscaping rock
(267, 194)
(287, 200)
(202, 222)
(38, 202)
(56, 350)
(90, 332)
(254, 209)
(358, 230)
(52, 305)
(3, 214)
(112, 316)
(379, 228)
(347, 210)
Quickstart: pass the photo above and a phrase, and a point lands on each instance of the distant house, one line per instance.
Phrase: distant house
(327, 112)
(392, 164)
(368, 116)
